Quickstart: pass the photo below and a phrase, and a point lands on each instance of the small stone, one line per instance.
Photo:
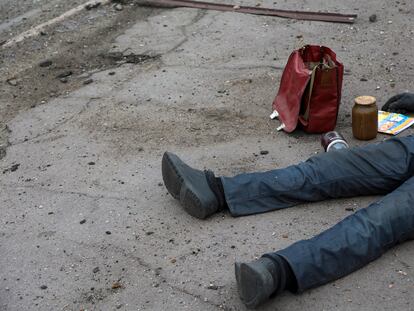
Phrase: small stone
(64, 74)
(108, 232)
(212, 286)
(263, 152)
(45, 63)
(149, 232)
(64, 80)
(95, 270)
(160, 184)
(82, 221)
(173, 260)
(119, 7)
(373, 18)
(363, 79)
(91, 163)
(91, 6)
(285, 236)
(116, 285)
(43, 287)
(88, 81)
(12, 82)
(111, 73)
(349, 209)
(14, 167)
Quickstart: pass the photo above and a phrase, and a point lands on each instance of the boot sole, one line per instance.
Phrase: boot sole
(171, 176)
(254, 284)
(191, 203)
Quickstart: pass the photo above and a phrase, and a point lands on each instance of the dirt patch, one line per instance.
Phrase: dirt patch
(127, 131)
(62, 59)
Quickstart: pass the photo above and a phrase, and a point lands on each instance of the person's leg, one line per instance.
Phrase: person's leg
(372, 169)
(349, 245)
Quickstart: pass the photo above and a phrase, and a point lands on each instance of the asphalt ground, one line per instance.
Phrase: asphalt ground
(87, 223)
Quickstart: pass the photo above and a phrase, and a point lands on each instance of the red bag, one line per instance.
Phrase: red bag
(310, 90)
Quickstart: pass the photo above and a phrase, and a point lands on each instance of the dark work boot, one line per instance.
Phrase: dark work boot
(258, 280)
(189, 186)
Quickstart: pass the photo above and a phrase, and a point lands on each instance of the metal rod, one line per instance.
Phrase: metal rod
(301, 15)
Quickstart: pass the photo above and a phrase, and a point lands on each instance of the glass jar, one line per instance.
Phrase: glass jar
(365, 118)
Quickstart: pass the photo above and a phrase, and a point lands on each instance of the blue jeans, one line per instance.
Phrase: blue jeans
(384, 168)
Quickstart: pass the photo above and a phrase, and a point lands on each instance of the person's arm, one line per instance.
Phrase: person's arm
(401, 103)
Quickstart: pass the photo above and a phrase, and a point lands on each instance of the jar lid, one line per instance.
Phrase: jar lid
(365, 100)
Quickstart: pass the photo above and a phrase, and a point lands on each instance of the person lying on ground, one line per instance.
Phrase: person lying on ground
(385, 168)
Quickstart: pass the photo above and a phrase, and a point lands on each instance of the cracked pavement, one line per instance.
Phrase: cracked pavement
(87, 223)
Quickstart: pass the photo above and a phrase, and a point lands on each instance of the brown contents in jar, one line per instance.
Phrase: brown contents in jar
(365, 118)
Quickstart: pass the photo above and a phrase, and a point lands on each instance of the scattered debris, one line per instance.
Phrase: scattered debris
(12, 168)
(373, 18)
(108, 232)
(64, 80)
(111, 73)
(350, 209)
(264, 152)
(402, 272)
(91, 163)
(138, 58)
(45, 63)
(82, 221)
(173, 260)
(43, 287)
(301, 15)
(285, 236)
(95, 270)
(131, 58)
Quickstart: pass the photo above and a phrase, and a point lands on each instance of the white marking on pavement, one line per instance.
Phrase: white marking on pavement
(34, 31)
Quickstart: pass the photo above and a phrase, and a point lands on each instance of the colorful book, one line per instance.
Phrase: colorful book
(393, 123)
